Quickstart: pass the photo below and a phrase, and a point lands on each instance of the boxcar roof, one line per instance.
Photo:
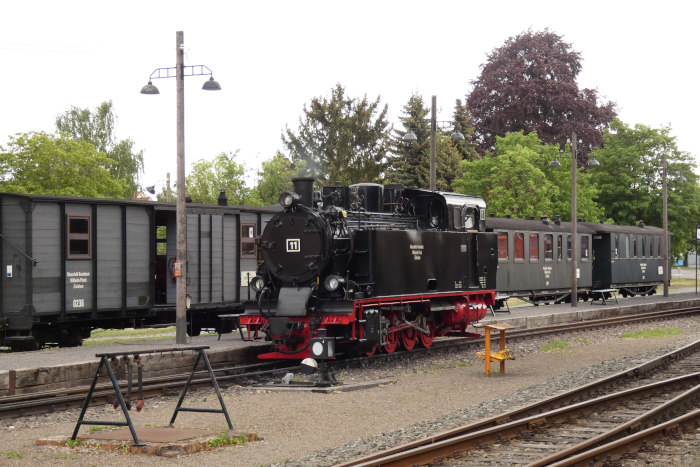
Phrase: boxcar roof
(534, 225)
(137, 202)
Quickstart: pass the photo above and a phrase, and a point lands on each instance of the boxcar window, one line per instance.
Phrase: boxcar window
(78, 237)
(560, 248)
(584, 248)
(616, 247)
(503, 245)
(248, 240)
(519, 246)
(548, 247)
(534, 247)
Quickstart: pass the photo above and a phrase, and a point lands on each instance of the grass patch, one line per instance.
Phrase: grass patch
(100, 333)
(556, 347)
(12, 454)
(100, 428)
(660, 332)
(680, 283)
(225, 440)
(124, 339)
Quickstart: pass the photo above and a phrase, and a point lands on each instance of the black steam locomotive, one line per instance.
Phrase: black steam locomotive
(368, 267)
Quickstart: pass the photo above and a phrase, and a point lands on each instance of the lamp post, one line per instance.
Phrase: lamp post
(574, 213)
(665, 214)
(410, 137)
(180, 71)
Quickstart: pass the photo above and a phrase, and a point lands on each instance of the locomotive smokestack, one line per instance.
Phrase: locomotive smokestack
(304, 187)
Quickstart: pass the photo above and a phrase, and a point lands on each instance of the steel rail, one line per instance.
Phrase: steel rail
(537, 408)
(47, 401)
(449, 447)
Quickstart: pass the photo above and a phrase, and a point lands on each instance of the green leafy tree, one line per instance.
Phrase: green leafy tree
(519, 181)
(274, 178)
(97, 128)
(40, 163)
(340, 140)
(409, 163)
(208, 178)
(530, 84)
(464, 123)
(630, 180)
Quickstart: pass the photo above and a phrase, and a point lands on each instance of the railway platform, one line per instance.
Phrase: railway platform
(54, 368)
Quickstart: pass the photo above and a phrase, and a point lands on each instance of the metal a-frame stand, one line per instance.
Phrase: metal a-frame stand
(105, 362)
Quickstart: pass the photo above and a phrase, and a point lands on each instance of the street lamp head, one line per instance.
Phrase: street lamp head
(211, 85)
(555, 163)
(457, 136)
(149, 89)
(409, 137)
(681, 178)
(151, 189)
(593, 162)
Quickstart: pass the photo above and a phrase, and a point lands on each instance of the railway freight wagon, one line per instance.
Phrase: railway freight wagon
(534, 259)
(74, 264)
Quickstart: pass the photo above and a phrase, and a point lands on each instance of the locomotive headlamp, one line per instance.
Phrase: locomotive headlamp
(322, 348)
(288, 199)
(257, 284)
(332, 282)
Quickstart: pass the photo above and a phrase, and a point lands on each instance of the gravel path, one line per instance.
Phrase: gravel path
(428, 393)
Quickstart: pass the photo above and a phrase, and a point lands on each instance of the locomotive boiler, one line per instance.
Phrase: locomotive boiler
(369, 267)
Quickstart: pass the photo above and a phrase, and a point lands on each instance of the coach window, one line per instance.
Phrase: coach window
(519, 246)
(584, 248)
(503, 245)
(548, 247)
(248, 241)
(644, 247)
(78, 237)
(624, 246)
(616, 247)
(657, 240)
(560, 248)
(534, 247)
(634, 246)
(568, 247)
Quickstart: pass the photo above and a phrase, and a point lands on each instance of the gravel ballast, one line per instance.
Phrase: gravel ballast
(428, 394)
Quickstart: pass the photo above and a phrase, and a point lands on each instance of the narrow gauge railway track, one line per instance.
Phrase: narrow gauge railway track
(455, 343)
(586, 424)
(51, 401)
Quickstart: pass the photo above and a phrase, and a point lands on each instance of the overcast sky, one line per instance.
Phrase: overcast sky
(272, 57)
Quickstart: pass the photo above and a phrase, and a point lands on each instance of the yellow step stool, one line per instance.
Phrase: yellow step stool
(497, 357)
